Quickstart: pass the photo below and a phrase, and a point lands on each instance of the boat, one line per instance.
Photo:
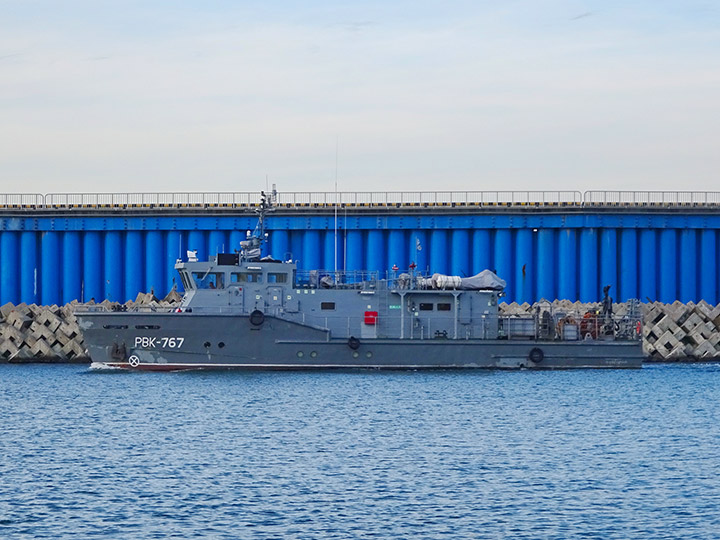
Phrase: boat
(245, 311)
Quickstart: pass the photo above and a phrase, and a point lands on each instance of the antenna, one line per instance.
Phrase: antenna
(337, 145)
(265, 207)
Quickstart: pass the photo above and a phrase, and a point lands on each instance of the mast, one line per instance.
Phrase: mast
(251, 246)
(264, 207)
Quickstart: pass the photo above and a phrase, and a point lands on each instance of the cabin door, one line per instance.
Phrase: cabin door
(235, 296)
(464, 309)
(274, 298)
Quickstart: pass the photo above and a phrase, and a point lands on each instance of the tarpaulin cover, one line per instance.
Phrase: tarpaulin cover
(483, 281)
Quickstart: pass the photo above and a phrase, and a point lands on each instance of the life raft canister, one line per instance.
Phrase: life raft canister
(589, 324)
(257, 317)
(536, 355)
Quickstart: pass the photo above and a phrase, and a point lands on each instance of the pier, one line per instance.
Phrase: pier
(565, 245)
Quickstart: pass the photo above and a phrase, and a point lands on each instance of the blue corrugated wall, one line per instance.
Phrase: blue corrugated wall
(655, 256)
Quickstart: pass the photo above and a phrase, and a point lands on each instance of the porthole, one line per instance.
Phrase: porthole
(221, 344)
(356, 354)
(207, 344)
(300, 354)
(313, 354)
(368, 354)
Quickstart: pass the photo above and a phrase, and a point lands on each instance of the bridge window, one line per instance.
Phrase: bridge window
(186, 282)
(210, 280)
(444, 307)
(277, 277)
(426, 307)
(247, 277)
(327, 306)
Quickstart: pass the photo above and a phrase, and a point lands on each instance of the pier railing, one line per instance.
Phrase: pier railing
(308, 199)
(22, 200)
(360, 200)
(651, 198)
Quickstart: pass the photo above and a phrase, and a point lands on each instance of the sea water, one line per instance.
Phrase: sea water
(363, 454)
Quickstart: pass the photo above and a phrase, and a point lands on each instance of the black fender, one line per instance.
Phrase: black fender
(118, 352)
(536, 355)
(353, 343)
(257, 317)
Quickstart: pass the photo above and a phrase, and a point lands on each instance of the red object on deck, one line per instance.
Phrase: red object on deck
(371, 317)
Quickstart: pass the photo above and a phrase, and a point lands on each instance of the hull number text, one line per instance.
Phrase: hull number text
(159, 342)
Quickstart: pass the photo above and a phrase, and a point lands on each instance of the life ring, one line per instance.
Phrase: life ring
(134, 361)
(536, 355)
(257, 317)
(354, 343)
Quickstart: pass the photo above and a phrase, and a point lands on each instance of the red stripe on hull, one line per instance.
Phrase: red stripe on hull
(154, 367)
(186, 367)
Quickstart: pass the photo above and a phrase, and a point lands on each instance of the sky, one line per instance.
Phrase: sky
(219, 95)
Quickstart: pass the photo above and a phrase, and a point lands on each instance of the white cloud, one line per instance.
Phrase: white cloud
(472, 98)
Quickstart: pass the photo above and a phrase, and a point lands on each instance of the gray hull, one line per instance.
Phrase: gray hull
(176, 341)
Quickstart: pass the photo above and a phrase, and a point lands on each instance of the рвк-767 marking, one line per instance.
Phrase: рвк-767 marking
(145, 342)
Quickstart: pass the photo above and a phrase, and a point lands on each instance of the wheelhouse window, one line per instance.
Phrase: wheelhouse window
(426, 306)
(327, 306)
(246, 277)
(186, 281)
(277, 277)
(444, 307)
(208, 280)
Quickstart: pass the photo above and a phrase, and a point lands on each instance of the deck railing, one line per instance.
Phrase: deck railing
(426, 327)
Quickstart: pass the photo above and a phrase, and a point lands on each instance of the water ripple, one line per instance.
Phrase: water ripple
(578, 454)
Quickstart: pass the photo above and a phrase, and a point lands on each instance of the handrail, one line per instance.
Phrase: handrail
(361, 199)
(22, 199)
(654, 198)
